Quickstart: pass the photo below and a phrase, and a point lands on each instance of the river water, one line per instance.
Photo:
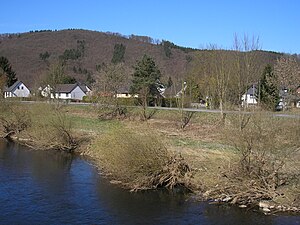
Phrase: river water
(39, 187)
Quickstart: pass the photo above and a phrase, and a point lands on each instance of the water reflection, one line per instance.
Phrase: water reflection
(39, 187)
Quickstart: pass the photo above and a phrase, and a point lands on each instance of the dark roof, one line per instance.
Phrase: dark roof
(84, 88)
(123, 90)
(12, 87)
(65, 88)
(283, 93)
(252, 90)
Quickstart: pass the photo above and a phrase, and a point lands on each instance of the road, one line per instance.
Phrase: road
(294, 116)
(227, 112)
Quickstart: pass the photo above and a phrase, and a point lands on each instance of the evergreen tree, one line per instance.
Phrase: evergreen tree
(2, 80)
(167, 50)
(268, 92)
(145, 77)
(118, 55)
(89, 79)
(67, 79)
(7, 70)
(145, 81)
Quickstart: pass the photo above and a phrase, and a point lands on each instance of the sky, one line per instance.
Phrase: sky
(189, 23)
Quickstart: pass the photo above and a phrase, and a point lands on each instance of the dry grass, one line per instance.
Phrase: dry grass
(215, 154)
(138, 160)
(266, 149)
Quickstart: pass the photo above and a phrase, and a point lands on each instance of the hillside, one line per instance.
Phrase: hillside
(30, 54)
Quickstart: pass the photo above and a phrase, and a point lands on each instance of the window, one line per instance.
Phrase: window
(22, 87)
(67, 95)
(58, 94)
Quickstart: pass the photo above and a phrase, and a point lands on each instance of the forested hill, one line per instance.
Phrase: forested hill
(31, 54)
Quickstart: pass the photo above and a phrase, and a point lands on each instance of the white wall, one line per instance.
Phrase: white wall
(249, 100)
(77, 93)
(123, 95)
(20, 91)
(7, 94)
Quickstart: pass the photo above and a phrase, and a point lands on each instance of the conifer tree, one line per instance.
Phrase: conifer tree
(118, 55)
(268, 92)
(145, 81)
(7, 70)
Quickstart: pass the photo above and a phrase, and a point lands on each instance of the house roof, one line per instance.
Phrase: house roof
(12, 87)
(283, 92)
(123, 90)
(65, 88)
(84, 88)
(252, 90)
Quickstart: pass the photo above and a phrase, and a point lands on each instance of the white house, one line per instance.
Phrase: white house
(123, 92)
(18, 89)
(298, 95)
(70, 91)
(46, 91)
(250, 98)
(86, 89)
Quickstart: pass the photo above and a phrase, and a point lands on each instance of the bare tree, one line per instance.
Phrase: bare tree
(220, 72)
(245, 68)
(54, 76)
(109, 80)
(287, 69)
(185, 116)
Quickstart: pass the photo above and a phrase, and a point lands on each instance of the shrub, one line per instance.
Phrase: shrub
(51, 129)
(13, 119)
(140, 161)
(170, 102)
(265, 144)
(268, 150)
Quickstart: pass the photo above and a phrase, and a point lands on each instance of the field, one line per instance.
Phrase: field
(245, 160)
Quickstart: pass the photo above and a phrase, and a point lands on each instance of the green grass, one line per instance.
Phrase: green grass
(198, 144)
(93, 124)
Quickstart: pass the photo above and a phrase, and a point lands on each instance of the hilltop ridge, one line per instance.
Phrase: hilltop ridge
(30, 54)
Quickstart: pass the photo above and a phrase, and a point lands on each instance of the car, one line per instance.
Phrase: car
(278, 107)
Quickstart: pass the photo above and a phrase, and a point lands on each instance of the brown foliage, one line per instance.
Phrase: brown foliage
(24, 51)
(140, 161)
(14, 120)
(266, 148)
(287, 71)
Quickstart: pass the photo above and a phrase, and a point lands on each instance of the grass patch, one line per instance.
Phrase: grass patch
(199, 144)
(92, 124)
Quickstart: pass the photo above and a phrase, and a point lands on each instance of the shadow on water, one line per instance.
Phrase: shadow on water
(38, 187)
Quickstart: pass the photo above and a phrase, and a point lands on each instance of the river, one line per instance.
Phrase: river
(38, 187)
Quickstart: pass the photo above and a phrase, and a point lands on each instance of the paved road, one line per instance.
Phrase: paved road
(228, 112)
(189, 109)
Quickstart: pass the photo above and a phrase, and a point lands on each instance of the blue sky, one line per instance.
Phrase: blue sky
(191, 23)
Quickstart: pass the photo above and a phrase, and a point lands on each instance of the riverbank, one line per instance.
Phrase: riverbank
(207, 146)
